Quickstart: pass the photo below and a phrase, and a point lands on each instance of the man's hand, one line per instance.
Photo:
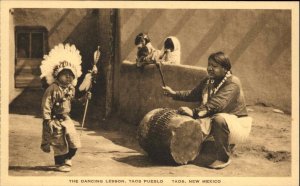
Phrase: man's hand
(168, 91)
(185, 111)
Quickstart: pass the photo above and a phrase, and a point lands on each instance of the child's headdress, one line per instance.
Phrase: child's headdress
(59, 58)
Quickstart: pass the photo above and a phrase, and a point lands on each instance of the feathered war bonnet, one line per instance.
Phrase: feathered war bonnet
(59, 58)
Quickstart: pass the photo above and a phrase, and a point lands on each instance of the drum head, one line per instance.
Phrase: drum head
(186, 142)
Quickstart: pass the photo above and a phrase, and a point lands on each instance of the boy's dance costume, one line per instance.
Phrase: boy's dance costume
(58, 128)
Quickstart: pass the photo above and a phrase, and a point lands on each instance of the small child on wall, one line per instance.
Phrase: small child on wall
(170, 53)
(60, 68)
(146, 53)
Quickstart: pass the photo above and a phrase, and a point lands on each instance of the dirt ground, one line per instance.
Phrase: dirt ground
(111, 149)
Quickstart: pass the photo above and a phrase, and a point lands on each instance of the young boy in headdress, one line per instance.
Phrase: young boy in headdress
(60, 68)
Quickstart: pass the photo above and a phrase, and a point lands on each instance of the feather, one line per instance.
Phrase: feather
(86, 83)
(97, 54)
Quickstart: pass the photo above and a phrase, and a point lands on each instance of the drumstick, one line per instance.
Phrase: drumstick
(160, 72)
(158, 65)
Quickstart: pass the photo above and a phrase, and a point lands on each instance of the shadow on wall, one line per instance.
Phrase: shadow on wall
(86, 36)
(140, 90)
(258, 43)
(75, 26)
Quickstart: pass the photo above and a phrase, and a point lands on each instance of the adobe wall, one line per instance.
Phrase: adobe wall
(258, 43)
(140, 90)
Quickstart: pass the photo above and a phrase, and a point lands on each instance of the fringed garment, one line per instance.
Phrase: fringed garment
(58, 128)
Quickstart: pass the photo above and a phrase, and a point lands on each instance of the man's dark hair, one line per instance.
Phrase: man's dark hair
(221, 58)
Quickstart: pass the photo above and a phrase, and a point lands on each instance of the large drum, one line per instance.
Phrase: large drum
(169, 137)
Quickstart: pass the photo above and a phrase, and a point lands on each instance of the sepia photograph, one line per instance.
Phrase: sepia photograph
(149, 93)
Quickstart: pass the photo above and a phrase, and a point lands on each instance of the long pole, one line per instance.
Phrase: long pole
(94, 71)
(84, 114)
(158, 65)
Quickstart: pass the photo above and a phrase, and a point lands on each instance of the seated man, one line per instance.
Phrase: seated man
(222, 107)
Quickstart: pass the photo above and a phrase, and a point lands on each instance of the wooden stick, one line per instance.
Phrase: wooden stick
(85, 110)
(97, 54)
(161, 74)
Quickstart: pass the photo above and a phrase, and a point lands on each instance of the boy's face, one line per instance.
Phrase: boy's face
(65, 77)
(215, 70)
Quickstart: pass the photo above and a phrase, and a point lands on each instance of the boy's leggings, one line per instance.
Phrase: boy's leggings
(60, 160)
